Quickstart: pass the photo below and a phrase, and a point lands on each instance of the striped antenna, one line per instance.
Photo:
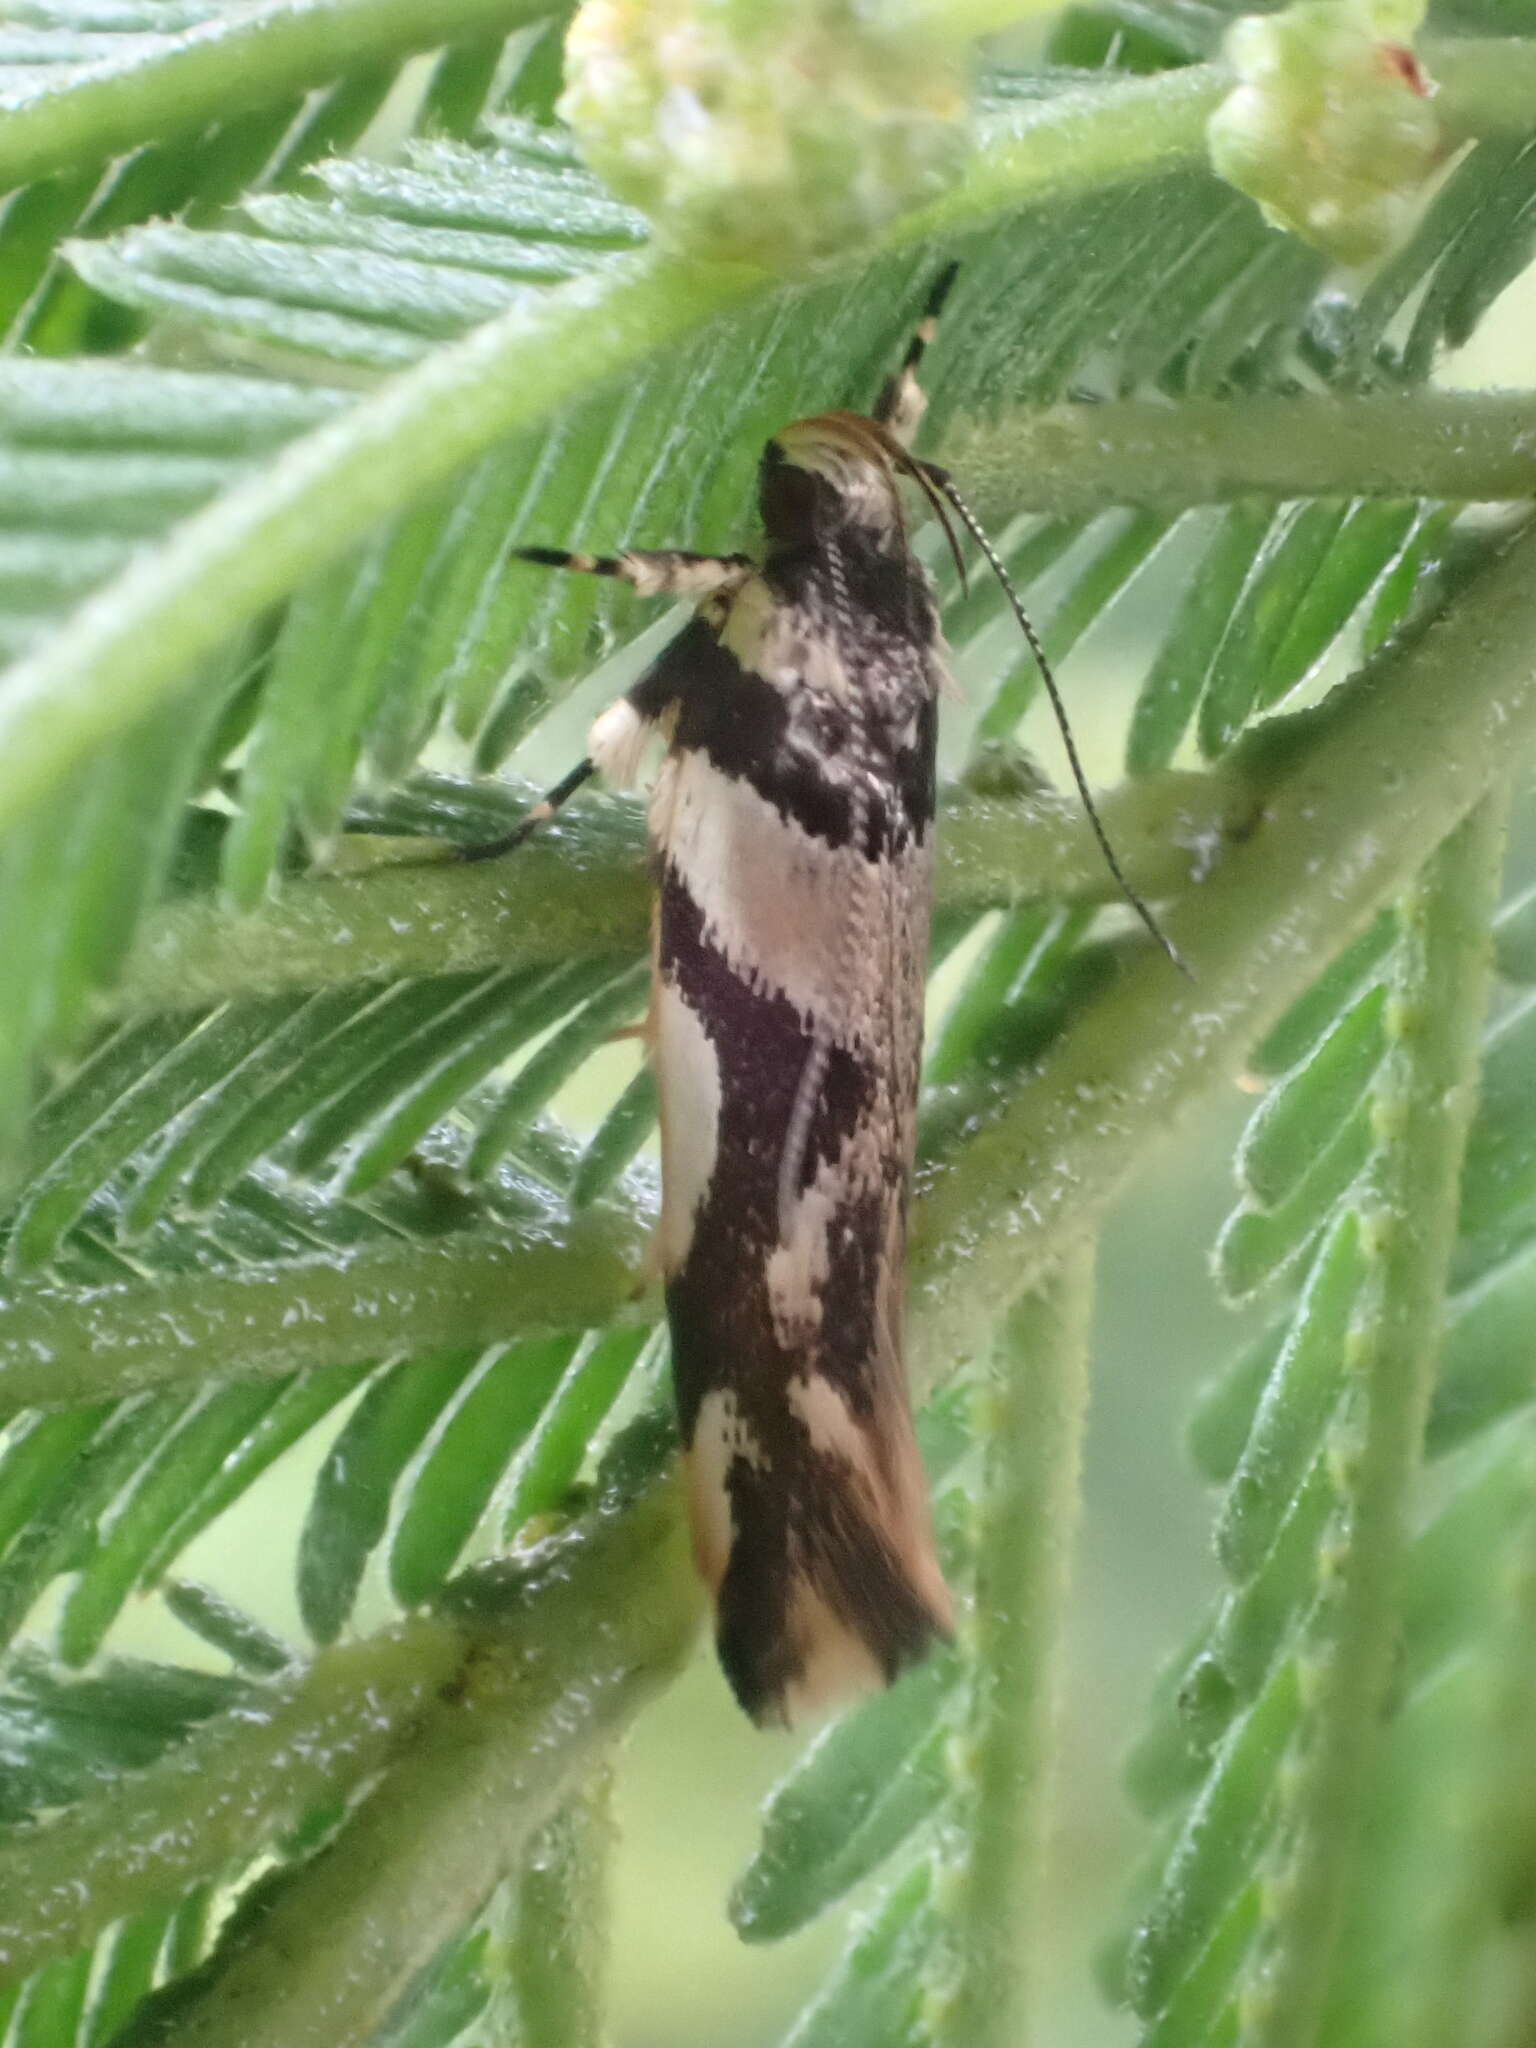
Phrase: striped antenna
(978, 533)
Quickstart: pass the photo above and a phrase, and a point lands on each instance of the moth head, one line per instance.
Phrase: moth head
(831, 472)
(839, 471)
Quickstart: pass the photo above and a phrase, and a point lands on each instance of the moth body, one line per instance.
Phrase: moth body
(791, 824)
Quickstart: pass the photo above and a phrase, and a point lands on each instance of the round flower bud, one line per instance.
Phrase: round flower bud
(1330, 127)
(768, 135)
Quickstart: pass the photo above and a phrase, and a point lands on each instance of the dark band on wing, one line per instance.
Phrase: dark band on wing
(800, 1513)
(743, 725)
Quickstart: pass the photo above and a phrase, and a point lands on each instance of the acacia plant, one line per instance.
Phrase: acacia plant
(312, 313)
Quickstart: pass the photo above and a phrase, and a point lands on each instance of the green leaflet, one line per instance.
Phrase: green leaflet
(490, 1418)
(1303, 1384)
(868, 1784)
(349, 1509)
(874, 1997)
(1279, 1540)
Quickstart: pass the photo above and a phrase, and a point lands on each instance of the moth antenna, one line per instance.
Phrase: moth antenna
(927, 326)
(978, 533)
(542, 812)
(900, 404)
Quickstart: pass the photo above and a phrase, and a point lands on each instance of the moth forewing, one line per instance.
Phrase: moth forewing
(792, 827)
(791, 822)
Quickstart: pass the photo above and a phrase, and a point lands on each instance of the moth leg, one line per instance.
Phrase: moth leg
(654, 572)
(529, 823)
(617, 740)
(901, 404)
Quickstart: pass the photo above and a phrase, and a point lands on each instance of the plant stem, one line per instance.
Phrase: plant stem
(540, 1697)
(1075, 459)
(131, 642)
(589, 893)
(1392, 761)
(1035, 1404)
(560, 1922)
(177, 84)
(483, 1724)
(1423, 1105)
(1075, 142)
(465, 1288)
(233, 1783)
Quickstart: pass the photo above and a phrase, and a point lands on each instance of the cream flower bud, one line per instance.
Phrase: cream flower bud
(1330, 127)
(770, 135)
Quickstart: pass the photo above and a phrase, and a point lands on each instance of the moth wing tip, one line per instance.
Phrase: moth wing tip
(822, 1662)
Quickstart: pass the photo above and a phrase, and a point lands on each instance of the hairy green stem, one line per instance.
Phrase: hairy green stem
(559, 1956)
(131, 643)
(480, 1724)
(1423, 1104)
(180, 83)
(1074, 459)
(1073, 142)
(541, 1693)
(59, 1347)
(587, 893)
(1035, 1402)
(402, 917)
(232, 1785)
(1391, 762)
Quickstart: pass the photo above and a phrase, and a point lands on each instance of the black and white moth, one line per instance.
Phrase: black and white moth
(791, 824)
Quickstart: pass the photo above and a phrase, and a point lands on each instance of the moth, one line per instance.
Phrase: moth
(791, 825)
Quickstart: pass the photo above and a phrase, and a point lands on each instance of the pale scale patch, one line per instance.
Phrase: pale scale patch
(836, 1662)
(774, 899)
(720, 1437)
(616, 742)
(664, 574)
(774, 641)
(911, 400)
(688, 1089)
(829, 1423)
(797, 1269)
(799, 1264)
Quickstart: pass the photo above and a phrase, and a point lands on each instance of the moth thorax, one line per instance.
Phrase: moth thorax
(817, 477)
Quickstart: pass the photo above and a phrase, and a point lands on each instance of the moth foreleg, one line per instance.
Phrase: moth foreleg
(617, 741)
(529, 823)
(654, 572)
